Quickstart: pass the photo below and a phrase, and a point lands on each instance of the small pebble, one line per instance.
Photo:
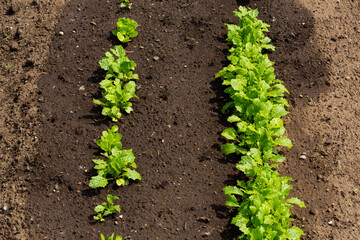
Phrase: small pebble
(82, 88)
(302, 157)
(156, 58)
(330, 222)
(61, 33)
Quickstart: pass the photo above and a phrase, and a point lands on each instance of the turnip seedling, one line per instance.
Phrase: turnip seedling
(111, 237)
(125, 4)
(106, 209)
(125, 29)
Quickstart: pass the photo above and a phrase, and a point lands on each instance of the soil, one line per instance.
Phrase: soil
(48, 126)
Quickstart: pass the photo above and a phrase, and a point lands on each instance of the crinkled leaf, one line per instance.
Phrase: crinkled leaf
(133, 175)
(98, 181)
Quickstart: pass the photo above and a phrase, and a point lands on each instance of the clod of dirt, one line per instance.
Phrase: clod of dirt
(14, 46)
(206, 234)
(203, 219)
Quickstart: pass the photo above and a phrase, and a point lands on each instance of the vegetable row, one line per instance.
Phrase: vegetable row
(256, 107)
(118, 89)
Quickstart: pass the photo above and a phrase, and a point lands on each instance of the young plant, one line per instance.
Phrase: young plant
(125, 29)
(111, 237)
(117, 65)
(125, 4)
(109, 140)
(118, 165)
(118, 89)
(116, 98)
(106, 209)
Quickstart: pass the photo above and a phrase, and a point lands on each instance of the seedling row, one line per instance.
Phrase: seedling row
(256, 107)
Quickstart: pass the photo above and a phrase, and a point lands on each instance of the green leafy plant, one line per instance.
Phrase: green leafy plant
(106, 208)
(118, 89)
(117, 65)
(256, 107)
(111, 237)
(118, 165)
(109, 140)
(116, 98)
(125, 4)
(125, 29)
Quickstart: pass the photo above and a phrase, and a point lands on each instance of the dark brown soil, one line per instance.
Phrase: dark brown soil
(49, 124)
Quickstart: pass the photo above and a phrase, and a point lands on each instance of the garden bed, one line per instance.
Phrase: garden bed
(50, 124)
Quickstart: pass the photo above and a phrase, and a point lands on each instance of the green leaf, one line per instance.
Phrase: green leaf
(296, 201)
(283, 141)
(278, 111)
(98, 102)
(106, 111)
(234, 118)
(120, 182)
(111, 198)
(231, 201)
(230, 134)
(294, 233)
(278, 158)
(133, 175)
(118, 51)
(99, 208)
(231, 190)
(98, 181)
(228, 148)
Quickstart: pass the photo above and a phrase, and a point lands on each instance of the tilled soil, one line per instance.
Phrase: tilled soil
(49, 124)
